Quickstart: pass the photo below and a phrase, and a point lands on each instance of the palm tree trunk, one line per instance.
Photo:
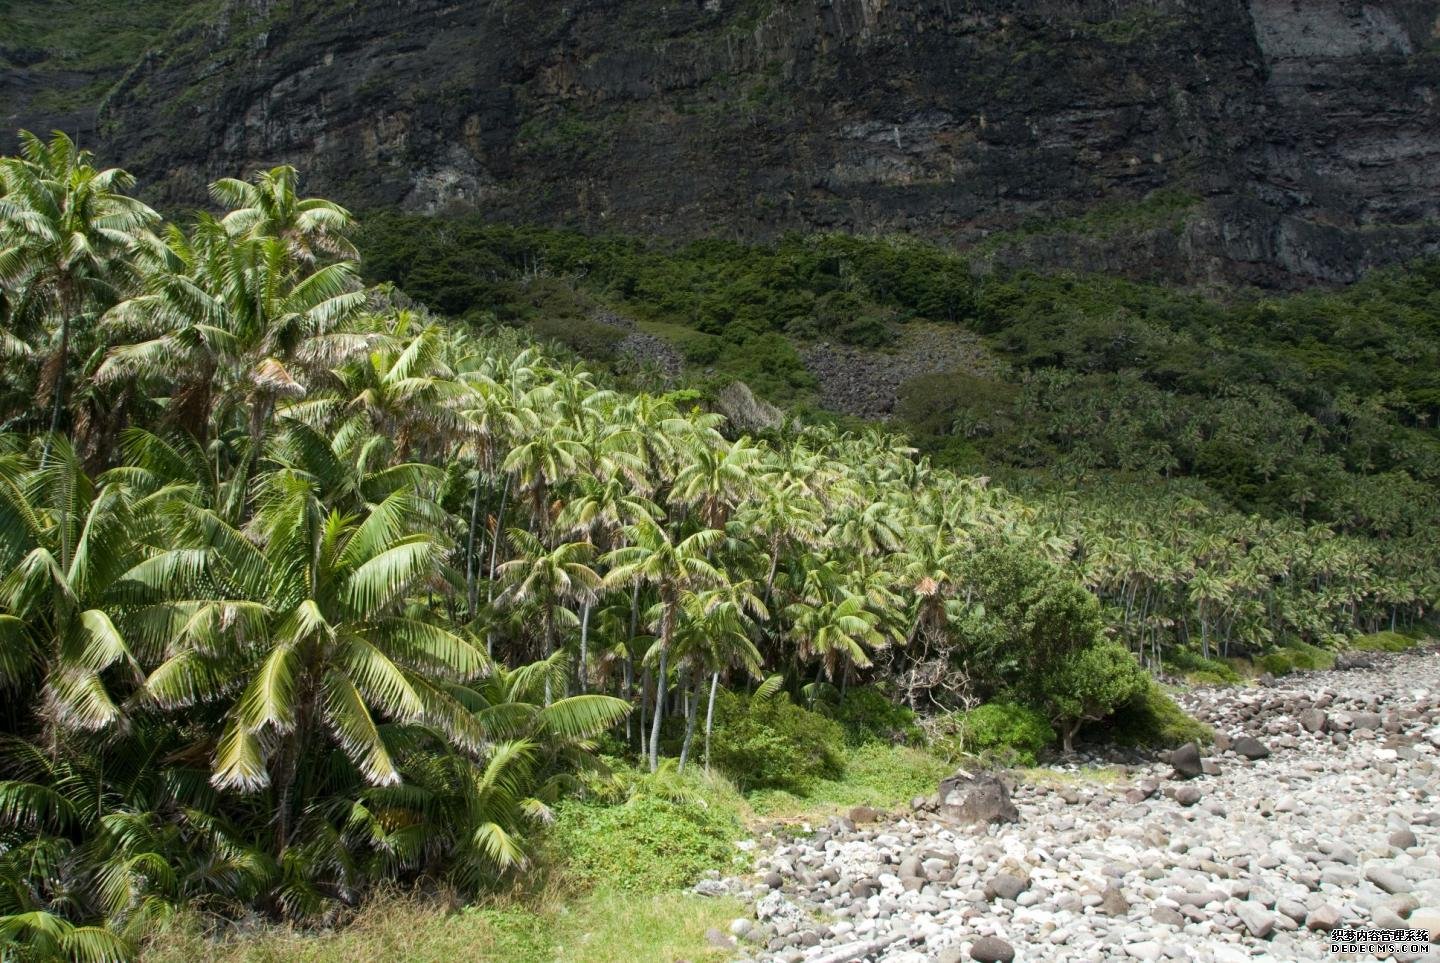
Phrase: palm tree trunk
(471, 589)
(495, 541)
(659, 707)
(57, 391)
(629, 693)
(549, 647)
(584, 669)
(692, 712)
(710, 716)
(644, 714)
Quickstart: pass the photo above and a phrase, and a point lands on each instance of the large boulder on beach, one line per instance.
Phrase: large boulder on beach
(976, 799)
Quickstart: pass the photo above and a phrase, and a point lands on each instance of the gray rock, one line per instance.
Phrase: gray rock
(1323, 918)
(910, 868)
(1250, 748)
(1187, 795)
(1259, 921)
(976, 799)
(741, 926)
(989, 949)
(1186, 761)
(1403, 839)
(1313, 720)
(1005, 886)
(1387, 879)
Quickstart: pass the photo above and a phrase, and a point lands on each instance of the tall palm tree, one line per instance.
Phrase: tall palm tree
(68, 233)
(676, 569)
(548, 578)
(318, 630)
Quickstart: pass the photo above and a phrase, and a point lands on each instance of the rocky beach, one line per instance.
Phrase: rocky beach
(1315, 808)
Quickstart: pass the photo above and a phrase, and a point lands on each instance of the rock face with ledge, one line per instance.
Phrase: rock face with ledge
(1294, 141)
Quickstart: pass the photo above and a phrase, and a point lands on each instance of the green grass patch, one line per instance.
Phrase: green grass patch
(1296, 657)
(1383, 642)
(1198, 670)
(876, 775)
(606, 926)
(644, 845)
(997, 733)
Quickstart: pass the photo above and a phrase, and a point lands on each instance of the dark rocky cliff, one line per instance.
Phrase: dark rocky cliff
(1288, 140)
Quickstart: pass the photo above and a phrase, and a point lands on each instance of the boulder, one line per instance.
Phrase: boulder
(1187, 795)
(989, 949)
(1323, 918)
(1250, 748)
(1313, 720)
(1257, 919)
(1005, 886)
(976, 799)
(1186, 761)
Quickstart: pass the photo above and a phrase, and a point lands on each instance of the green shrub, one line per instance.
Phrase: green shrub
(998, 732)
(868, 715)
(895, 772)
(1150, 718)
(1383, 642)
(647, 844)
(773, 743)
(1087, 685)
(1298, 656)
(1201, 671)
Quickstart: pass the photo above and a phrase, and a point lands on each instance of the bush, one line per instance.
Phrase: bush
(1150, 718)
(868, 715)
(998, 732)
(773, 743)
(1296, 657)
(1201, 671)
(1089, 684)
(644, 845)
(1383, 642)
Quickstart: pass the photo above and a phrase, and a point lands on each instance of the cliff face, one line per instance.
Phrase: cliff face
(1294, 140)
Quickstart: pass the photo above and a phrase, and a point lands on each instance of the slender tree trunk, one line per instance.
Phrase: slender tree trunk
(659, 707)
(57, 390)
(710, 716)
(495, 541)
(692, 712)
(644, 712)
(549, 648)
(584, 651)
(472, 590)
(629, 693)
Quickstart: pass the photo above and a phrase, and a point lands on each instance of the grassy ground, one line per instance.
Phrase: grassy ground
(604, 927)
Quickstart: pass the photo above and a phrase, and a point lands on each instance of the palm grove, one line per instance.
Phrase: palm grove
(303, 589)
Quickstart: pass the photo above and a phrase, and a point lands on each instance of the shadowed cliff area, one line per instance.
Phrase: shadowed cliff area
(1300, 140)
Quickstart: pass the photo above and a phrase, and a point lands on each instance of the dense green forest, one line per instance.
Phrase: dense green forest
(305, 590)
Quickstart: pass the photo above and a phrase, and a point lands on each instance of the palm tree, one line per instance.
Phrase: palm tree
(269, 205)
(318, 630)
(67, 238)
(548, 578)
(676, 569)
(68, 553)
